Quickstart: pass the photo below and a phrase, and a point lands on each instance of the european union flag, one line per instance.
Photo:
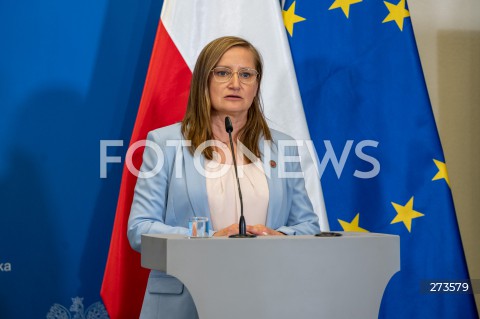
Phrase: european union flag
(381, 160)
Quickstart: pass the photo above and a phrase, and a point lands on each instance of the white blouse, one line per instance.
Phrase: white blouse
(223, 197)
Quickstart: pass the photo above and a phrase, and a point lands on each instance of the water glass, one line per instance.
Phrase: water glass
(198, 227)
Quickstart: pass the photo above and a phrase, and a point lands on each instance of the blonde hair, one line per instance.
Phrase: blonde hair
(196, 125)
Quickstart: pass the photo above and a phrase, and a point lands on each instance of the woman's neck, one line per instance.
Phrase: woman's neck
(218, 126)
(220, 134)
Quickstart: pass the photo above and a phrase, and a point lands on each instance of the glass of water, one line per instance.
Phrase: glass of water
(198, 227)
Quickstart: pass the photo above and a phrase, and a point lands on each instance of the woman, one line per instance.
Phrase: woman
(196, 177)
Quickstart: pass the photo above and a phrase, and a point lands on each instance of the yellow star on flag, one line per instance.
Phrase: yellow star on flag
(344, 4)
(353, 225)
(397, 13)
(405, 214)
(442, 172)
(290, 18)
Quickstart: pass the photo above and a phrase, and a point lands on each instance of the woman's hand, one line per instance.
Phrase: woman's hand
(262, 230)
(227, 231)
(259, 230)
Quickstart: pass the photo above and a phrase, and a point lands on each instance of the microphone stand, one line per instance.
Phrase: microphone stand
(242, 226)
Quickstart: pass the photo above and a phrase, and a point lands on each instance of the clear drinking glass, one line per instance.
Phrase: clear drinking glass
(198, 227)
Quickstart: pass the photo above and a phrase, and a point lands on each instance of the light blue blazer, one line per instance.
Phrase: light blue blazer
(176, 190)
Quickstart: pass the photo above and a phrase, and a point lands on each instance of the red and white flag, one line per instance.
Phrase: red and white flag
(184, 29)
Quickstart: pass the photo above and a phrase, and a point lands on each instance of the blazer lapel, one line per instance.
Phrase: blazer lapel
(270, 163)
(196, 184)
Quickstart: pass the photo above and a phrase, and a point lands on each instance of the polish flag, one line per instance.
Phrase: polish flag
(185, 27)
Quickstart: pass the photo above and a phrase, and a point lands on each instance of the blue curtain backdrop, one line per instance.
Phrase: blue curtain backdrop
(71, 74)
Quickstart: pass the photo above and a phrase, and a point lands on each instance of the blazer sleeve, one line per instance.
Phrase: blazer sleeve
(302, 220)
(149, 206)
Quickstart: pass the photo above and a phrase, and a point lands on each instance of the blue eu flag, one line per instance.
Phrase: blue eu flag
(381, 161)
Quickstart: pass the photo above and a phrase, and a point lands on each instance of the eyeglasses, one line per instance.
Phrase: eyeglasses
(223, 74)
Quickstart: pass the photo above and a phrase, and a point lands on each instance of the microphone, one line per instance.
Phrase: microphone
(242, 226)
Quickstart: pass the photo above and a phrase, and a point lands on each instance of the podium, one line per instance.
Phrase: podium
(279, 276)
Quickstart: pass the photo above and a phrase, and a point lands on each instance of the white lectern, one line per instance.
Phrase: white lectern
(279, 277)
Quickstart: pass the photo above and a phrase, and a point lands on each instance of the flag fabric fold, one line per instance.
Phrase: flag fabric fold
(163, 102)
(185, 27)
(382, 169)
